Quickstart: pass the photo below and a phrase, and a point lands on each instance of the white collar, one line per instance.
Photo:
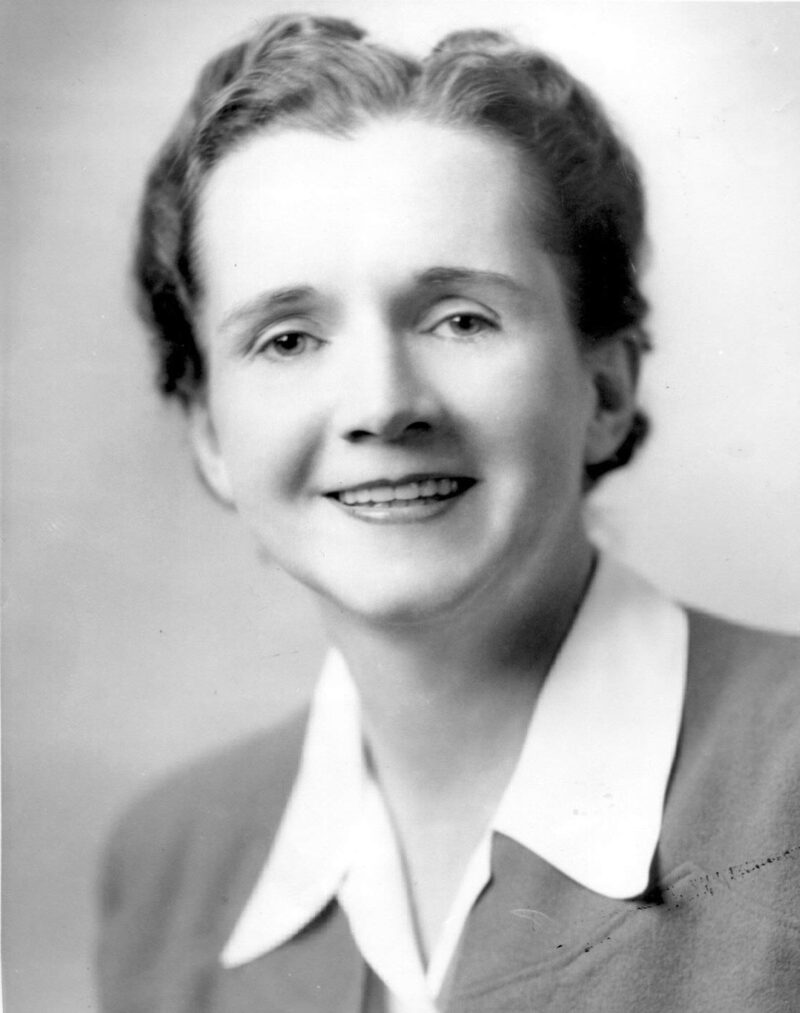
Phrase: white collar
(587, 793)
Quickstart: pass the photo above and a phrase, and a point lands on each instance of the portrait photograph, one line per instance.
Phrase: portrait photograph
(401, 506)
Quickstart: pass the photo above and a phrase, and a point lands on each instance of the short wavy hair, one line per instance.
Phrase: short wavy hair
(323, 74)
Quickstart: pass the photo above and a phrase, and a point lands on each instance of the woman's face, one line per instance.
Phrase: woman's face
(396, 401)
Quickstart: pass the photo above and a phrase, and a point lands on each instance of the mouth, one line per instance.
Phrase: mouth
(416, 495)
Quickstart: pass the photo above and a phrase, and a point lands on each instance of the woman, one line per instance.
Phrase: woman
(399, 302)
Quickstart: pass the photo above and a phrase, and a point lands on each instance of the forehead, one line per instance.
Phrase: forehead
(398, 197)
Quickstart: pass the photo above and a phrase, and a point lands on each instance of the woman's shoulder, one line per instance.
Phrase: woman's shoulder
(734, 801)
(182, 860)
(732, 657)
(215, 800)
(743, 689)
(713, 636)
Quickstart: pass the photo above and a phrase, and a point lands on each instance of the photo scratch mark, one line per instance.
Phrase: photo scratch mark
(704, 884)
(696, 887)
(538, 919)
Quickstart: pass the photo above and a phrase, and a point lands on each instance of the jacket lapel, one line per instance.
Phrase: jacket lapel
(318, 971)
(529, 920)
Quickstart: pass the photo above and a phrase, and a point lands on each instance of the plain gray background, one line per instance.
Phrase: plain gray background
(140, 628)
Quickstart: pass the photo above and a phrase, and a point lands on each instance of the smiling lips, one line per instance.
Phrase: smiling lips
(405, 494)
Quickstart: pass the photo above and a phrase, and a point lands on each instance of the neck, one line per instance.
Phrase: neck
(445, 709)
(446, 703)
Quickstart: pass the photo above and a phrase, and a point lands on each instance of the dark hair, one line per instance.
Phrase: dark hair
(322, 74)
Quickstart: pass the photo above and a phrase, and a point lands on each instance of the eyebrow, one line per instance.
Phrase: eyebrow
(442, 277)
(268, 303)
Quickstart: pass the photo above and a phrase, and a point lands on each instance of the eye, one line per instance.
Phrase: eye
(288, 345)
(464, 325)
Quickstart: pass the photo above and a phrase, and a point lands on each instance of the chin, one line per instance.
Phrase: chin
(388, 601)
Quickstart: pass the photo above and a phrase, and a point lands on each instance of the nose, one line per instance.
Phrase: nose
(386, 393)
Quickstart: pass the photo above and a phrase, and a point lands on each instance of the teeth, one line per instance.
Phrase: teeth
(381, 495)
(405, 492)
(408, 491)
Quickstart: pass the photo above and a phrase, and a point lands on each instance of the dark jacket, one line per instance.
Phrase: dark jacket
(718, 929)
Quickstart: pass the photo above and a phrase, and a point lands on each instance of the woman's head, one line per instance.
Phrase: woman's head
(320, 74)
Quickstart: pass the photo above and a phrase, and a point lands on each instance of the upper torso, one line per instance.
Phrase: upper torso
(718, 928)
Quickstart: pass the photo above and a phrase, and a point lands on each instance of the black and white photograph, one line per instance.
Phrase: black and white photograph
(401, 499)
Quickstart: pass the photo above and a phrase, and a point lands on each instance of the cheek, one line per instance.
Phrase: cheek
(268, 443)
(533, 409)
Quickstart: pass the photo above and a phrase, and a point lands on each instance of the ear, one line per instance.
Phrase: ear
(207, 455)
(614, 369)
